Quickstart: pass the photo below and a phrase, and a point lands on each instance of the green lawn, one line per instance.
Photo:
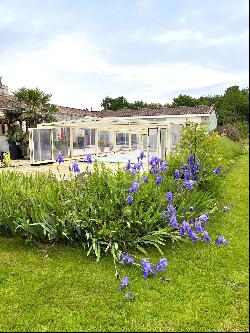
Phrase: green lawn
(53, 288)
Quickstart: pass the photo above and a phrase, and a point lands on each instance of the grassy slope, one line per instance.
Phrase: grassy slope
(51, 288)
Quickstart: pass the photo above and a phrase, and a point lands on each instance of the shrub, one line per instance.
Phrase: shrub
(230, 130)
(106, 211)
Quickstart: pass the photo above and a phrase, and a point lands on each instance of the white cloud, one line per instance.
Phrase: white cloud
(7, 16)
(73, 55)
(176, 36)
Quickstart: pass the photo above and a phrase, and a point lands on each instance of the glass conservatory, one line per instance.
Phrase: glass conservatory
(107, 139)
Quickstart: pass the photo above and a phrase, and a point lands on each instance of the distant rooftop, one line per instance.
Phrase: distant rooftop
(68, 113)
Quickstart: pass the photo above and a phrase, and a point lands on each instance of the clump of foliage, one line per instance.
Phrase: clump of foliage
(31, 108)
(122, 211)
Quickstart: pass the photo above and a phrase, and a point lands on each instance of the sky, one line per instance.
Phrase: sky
(81, 51)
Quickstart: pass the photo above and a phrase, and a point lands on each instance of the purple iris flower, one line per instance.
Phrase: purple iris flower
(154, 170)
(185, 227)
(169, 196)
(203, 218)
(191, 159)
(205, 236)
(192, 235)
(191, 209)
(189, 184)
(187, 176)
(217, 171)
(166, 214)
(142, 155)
(124, 283)
(171, 209)
(59, 158)
(126, 258)
(162, 265)
(198, 227)
(147, 268)
(128, 166)
(129, 294)
(173, 222)
(89, 159)
(135, 187)
(164, 166)
(177, 174)
(130, 200)
(75, 167)
(138, 166)
(144, 179)
(158, 180)
(221, 240)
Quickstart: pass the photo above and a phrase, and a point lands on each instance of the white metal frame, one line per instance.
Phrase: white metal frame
(115, 125)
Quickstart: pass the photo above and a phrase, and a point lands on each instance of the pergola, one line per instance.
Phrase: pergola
(153, 135)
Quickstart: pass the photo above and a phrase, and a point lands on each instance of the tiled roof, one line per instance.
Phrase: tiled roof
(163, 111)
(8, 102)
(68, 113)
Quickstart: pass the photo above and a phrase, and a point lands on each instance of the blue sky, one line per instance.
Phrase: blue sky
(153, 50)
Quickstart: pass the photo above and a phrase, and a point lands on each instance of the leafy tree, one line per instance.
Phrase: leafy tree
(36, 107)
(114, 104)
(184, 100)
(234, 105)
(33, 107)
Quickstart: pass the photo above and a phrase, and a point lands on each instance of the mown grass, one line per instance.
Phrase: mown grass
(55, 288)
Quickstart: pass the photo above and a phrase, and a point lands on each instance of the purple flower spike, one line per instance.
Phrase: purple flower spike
(162, 265)
(135, 187)
(130, 200)
(205, 236)
(169, 196)
(59, 158)
(158, 180)
(177, 174)
(217, 171)
(124, 283)
(142, 155)
(89, 159)
(221, 241)
(144, 179)
(75, 167)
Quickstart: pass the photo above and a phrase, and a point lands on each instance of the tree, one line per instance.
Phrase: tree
(184, 100)
(234, 106)
(33, 107)
(36, 107)
(114, 104)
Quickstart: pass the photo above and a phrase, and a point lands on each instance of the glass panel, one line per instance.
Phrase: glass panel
(61, 141)
(152, 139)
(163, 143)
(105, 143)
(145, 142)
(45, 144)
(122, 141)
(36, 139)
(135, 141)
